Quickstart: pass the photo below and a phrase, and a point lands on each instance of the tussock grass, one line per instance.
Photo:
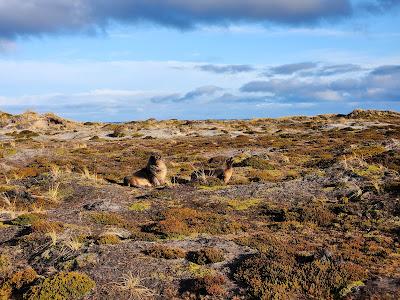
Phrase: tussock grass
(132, 285)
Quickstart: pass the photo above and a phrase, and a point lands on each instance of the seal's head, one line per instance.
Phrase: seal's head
(229, 162)
(155, 158)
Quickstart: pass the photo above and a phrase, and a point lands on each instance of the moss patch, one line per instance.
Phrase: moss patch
(140, 206)
(25, 219)
(109, 239)
(237, 204)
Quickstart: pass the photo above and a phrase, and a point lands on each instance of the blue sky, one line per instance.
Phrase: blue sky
(90, 60)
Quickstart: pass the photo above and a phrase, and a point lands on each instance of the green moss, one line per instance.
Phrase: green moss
(25, 219)
(256, 162)
(199, 271)
(212, 188)
(237, 204)
(266, 175)
(62, 286)
(369, 151)
(105, 218)
(140, 206)
(109, 239)
(370, 171)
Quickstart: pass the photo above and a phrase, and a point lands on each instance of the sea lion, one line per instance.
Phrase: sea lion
(153, 174)
(224, 173)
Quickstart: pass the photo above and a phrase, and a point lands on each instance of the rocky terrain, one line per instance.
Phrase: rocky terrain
(312, 210)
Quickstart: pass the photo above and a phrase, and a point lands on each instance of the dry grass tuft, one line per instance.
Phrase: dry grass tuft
(132, 285)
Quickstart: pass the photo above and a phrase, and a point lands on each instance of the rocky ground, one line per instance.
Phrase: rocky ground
(312, 210)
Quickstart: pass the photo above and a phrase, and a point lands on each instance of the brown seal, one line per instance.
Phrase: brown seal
(153, 174)
(224, 173)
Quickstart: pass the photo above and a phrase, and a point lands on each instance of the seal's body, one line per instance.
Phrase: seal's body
(224, 173)
(153, 174)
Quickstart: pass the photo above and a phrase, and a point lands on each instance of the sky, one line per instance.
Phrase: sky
(121, 60)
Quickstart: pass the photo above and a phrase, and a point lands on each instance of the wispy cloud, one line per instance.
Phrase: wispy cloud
(229, 69)
(332, 70)
(199, 92)
(290, 69)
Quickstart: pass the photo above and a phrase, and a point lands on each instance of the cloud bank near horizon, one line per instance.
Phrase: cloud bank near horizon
(37, 17)
(287, 91)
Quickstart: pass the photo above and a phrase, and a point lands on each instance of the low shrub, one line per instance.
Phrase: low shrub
(62, 286)
(176, 222)
(22, 278)
(45, 226)
(209, 285)
(316, 213)
(205, 256)
(283, 275)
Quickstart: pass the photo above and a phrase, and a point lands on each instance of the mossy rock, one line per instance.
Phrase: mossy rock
(62, 286)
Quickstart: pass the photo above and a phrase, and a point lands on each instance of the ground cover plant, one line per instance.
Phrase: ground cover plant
(312, 210)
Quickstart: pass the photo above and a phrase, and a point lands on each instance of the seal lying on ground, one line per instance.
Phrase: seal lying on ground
(153, 174)
(224, 173)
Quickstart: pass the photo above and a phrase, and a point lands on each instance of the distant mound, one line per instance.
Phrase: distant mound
(372, 114)
(34, 121)
(4, 118)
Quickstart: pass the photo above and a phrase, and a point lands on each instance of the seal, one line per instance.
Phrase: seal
(154, 174)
